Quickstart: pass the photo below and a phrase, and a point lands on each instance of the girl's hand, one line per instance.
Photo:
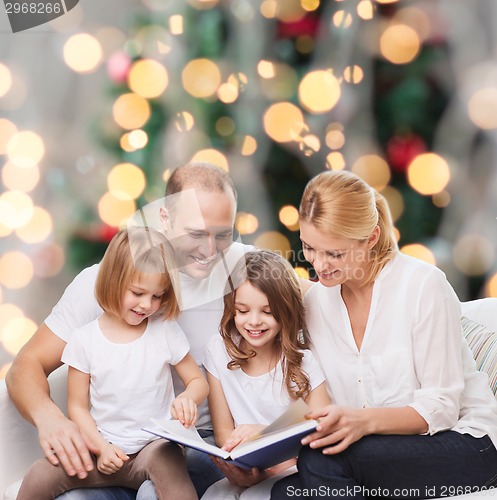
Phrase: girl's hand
(240, 434)
(238, 476)
(338, 426)
(110, 459)
(185, 410)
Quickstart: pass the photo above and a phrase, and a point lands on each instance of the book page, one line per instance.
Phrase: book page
(293, 415)
(175, 427)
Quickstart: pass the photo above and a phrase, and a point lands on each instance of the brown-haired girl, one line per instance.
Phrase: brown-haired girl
(260, 362)
(119, 377)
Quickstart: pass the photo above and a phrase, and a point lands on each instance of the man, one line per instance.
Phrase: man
(198, 219)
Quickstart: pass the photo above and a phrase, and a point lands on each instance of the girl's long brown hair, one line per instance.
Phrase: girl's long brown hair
(275, 278)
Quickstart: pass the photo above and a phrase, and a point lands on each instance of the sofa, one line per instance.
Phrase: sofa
(19, 444)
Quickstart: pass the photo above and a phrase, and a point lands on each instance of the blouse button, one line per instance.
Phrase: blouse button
(359, 380)
(364, 405)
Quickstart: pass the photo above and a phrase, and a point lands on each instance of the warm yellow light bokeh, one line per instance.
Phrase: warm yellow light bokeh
(48, 260)
(38, 228)
(269, 8)
(416, 18)
(16, 209)
(283, 122)
(249, 146)
(126, 181)
(114, 211)
(5, 79)
(491, 286)
(82, 53)
(310, 144)
(473, 254)
(227, 93)
(7, 313)
(482, 108)
(7, 130)
(335, 161)
(441, 199)
(319, 91)
(212, 156)
(335, 139)
(281, 85)
(25, 149)
(184, 121)
(148, 78)
(374, 170)
(289, 216)
(365, 9)
(225, 126)
(266, 69)
(238, 80)
(395, 201)
(428, 173)
(353, 74)
(246, 223)
(420, 252)
(138, 139)
(273, 240)
(342, 19)
(131, 111)
(16, 270)
(302, 272)
(399, 44)
(16, 333)
(201, 77)
(310, 5)
(176, 24)
(23, 179)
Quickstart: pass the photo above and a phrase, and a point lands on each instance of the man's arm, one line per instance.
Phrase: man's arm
(29, 390)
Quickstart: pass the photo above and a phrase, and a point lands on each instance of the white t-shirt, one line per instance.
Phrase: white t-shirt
(255, 400)
(200, 322)
(413, 352)
(129, 383)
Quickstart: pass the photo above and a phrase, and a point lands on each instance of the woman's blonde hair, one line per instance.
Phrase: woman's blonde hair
(342, 205)
(274, 277)
(131, 252)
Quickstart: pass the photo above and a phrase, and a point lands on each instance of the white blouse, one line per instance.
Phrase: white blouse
(413, 353)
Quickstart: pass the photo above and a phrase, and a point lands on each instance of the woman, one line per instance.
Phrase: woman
(411, 415)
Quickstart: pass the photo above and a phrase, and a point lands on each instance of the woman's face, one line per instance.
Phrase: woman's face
(335, 260)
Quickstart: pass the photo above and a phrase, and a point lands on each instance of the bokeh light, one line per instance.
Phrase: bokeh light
(283, 122)
(249, 146)
(374, 170)
(5, 79)
(7, 313)
(399, 44)
(420, 252)
(176, 24)
(25, 149)
(131, 111)
(441, 199)
(342, 19)
(365, 9)
(225, 126)
(281, 84)
(482, 108)
(48, 260)
(310, 5)
(114, 211)
(16, 209)
(395, 201)
(246, 223)
(310, 144)
(266, 69)
(428, 173)
(148, 78)
(16, 333)
(491, 286)
(138, 139)
(473, 254)
(335, 161)
(302, 272)
(319, 91)
(416, 18)
(184, 121)
(273, 240)
(227, 93)
(38, 228)
(23, 179)
(201, 77)
(353, 74)
(212, 156)
(126, 181)
(7, 130)
(289, 217)
(335, 138)
(82, 53)
(238, 80)
(16, 270)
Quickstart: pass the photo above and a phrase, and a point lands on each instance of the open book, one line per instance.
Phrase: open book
(277, 442)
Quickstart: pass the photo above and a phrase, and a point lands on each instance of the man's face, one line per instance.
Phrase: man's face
(199, 228)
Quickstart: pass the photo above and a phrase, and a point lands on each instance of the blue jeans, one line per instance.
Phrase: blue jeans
(202, 471)
(445, 464)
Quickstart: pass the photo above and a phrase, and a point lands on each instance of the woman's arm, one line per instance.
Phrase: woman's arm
(184, 407)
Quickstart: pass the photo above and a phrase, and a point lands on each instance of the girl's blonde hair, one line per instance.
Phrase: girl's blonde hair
(275, 278)
(342, 205)
(136, 251)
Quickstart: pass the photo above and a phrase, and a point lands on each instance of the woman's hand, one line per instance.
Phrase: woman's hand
(110, 459)
(184, 409)
(338, 426)
(239, 476)
(240, 434)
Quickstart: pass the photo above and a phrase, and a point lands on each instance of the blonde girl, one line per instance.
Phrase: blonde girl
(119, 377)
(260, 363)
